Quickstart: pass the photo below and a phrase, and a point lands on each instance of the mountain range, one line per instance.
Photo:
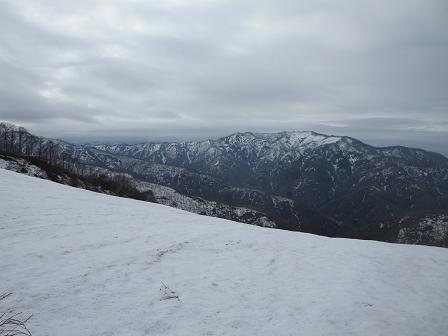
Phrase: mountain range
(335, 186)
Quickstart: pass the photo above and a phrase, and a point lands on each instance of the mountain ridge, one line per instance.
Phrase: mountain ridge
(330, 185)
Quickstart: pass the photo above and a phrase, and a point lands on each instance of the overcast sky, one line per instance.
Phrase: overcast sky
(189, 69)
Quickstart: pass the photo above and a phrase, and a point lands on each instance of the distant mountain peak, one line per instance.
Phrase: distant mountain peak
(279, 141)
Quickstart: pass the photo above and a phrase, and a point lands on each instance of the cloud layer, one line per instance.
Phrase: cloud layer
(200, 68)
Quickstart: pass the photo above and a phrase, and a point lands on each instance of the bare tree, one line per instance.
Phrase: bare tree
(5, 141)
(39, 155)
(13, 141)
(21, 129)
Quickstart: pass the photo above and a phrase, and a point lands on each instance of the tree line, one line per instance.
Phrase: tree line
(18, 141)
(57, 161)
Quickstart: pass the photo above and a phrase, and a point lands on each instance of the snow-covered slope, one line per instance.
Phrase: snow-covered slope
(89, 264)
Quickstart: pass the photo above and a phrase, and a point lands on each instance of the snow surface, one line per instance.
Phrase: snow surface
(90, 264)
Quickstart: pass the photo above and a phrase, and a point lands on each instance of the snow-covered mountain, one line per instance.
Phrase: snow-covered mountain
(299, 181)
(246, 146)
(84, 263)
(350, 188)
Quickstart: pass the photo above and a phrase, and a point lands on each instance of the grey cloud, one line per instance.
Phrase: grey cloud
(200, 68)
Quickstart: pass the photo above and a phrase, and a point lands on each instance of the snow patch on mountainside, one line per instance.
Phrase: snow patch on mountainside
(23, 167)
(170, 197)
(84, 263)
(429, 228)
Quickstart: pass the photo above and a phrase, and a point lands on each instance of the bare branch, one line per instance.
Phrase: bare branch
(11, 324)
